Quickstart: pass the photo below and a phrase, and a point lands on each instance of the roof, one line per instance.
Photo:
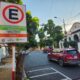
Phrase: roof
(75, 27)
(62, 49)
(69, 49)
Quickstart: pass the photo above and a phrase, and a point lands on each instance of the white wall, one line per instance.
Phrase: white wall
(75, 27)
(3, 53)
(79, 46)
(61, 44)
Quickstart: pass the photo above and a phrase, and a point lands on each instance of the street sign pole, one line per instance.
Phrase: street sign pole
(13, 62)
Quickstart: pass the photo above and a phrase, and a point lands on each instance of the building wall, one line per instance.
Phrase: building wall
(61, 44)
(3, 52)
(75, 27)
(75, 30)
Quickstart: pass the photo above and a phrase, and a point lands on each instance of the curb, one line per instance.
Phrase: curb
(24, 77)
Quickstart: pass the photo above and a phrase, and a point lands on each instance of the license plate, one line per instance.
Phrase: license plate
(75, 57)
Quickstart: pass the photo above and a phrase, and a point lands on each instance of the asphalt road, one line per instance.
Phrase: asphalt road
(38, 67)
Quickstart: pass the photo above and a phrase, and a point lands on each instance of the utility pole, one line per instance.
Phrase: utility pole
(63, 25)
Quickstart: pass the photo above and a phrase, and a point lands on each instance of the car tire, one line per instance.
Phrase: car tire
(61, 62)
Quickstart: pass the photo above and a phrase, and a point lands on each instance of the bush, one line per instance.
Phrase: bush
(66, 44)
(73, 44)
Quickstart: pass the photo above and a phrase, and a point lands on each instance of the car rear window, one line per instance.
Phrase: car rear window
(72, 51)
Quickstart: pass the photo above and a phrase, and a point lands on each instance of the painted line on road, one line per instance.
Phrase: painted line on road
(40, 69)
(43, 75)
(64, 79)
(61, 74)
(46, 74)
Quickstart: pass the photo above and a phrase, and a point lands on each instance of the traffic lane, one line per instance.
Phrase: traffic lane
(51, 76)
(47, 74)
(35, 59)
(38, 60)
(72, 71)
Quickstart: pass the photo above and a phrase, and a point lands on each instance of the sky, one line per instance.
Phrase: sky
(69, 10)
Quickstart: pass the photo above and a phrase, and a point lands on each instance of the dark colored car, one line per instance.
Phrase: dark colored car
(65, 56)
(47, 49)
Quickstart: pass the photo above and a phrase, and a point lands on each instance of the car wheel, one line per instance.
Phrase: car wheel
(61, 62)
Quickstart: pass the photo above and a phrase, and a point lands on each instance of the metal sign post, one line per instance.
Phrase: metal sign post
(13, 62)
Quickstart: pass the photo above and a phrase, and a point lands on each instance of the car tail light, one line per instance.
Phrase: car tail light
(79, 55)
(69, 57)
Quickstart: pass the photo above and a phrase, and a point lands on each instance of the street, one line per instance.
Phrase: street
(38, 67)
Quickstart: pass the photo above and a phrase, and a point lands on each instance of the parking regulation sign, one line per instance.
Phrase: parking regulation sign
(12, 16)
(12, 23)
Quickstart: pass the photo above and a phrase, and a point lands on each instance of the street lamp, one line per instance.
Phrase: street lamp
(63, 24)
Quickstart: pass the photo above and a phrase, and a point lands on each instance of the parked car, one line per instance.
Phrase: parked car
(65, 56)
(47, 49)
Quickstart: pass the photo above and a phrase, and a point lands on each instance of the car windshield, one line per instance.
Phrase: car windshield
(72, 51)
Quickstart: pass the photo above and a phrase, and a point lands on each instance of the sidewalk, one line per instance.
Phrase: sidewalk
(5, 69)
(24, 75)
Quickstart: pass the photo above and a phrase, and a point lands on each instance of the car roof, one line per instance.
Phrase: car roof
(69, 49)
(63, 49)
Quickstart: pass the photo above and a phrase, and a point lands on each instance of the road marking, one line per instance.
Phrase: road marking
(61, 74)
(43, 75)
(46, 74)
(40, 69)
(64, 79)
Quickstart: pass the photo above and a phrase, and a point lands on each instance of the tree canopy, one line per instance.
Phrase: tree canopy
(13, 1)
(54, 31)
(32, 28)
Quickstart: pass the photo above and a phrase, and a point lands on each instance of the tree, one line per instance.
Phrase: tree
(49, 27)
(73, 44)
(54, 31)
(13, 1)
(49, 42)
(66, 43)
(32, 28)
(41, 37)
(58, 35)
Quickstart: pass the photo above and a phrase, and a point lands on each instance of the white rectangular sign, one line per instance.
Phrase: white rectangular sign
(12, 14)
(12, 23)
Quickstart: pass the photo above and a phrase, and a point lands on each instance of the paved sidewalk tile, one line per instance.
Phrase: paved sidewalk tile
(6, 69)
(5, 74)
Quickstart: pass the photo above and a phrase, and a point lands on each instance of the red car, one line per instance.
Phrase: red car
(47, 49)
(65, 56)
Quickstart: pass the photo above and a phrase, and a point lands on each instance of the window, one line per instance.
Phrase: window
(72, 51)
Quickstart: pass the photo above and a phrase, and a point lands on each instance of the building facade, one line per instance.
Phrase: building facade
(72, 35)
(3, 51)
